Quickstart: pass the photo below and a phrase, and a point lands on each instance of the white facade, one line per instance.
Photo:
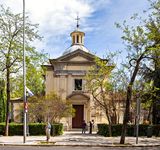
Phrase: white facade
(68, 71)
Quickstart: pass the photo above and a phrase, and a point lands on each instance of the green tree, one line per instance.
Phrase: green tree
(34, 77)
(118, 80)
(153, 72)
(11, 47)
(147, 97)
(137, 46)
(50, 106)
(98, 85)
(140, 49)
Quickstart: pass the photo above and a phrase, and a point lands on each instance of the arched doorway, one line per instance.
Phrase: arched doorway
(79, 116)
(80, 103)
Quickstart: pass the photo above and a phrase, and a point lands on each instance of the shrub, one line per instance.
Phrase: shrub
(103, 129)
(156, 130)
(37, 128)
(116, 130)
(2, 128)
(15, 129)
(131, 130)
(34, 129)
(57, 129)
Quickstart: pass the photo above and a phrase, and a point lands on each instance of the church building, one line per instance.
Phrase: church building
(65, 75)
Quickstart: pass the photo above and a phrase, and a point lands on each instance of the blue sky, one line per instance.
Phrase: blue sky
(56, 19)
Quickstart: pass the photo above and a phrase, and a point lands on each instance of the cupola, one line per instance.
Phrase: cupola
(77, 40)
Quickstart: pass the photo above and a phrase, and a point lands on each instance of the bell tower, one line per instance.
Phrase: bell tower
(77, 36)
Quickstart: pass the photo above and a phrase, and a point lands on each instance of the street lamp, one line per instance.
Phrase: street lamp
(24, 79)
(138, 103)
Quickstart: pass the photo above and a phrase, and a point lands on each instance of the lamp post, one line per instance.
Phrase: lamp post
(138, 103)
(24, 79)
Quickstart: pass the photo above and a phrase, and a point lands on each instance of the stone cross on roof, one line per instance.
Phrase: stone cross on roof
(77, 22)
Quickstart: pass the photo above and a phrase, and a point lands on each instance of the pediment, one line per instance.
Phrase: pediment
(77, 55)
(78, 58)
(78, 96)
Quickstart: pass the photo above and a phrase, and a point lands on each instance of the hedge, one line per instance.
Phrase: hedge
(116, 130)
(34, 129)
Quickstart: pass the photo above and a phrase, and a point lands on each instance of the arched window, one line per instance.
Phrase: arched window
(77, 39)
(73, 40)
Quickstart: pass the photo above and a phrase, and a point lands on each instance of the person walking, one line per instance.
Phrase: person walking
(90, 127)
(84, 125)
(48, 131)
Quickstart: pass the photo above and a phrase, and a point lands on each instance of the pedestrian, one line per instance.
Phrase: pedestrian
(93, 124)
(48, 131)
(90, 127)
(84, 125)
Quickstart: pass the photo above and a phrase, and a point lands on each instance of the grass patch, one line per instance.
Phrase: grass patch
(47, 143)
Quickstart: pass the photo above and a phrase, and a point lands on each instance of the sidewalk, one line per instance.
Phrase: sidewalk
(75, 138)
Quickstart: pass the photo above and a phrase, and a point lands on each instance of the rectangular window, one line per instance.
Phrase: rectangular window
(77, 84)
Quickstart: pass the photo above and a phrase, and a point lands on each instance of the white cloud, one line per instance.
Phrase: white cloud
(56, 18)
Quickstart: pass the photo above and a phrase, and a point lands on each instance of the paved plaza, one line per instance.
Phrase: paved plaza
(75, 138)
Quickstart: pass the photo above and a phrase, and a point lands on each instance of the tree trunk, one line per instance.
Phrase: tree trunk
(7, 103)
(1, 105)
(126, 114)
(110, 129)
(128, 101)
(109, 125)
(156, 103)
(149, 114)
(4, 106)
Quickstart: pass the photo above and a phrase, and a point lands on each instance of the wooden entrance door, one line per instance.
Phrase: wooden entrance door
(78, 118)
